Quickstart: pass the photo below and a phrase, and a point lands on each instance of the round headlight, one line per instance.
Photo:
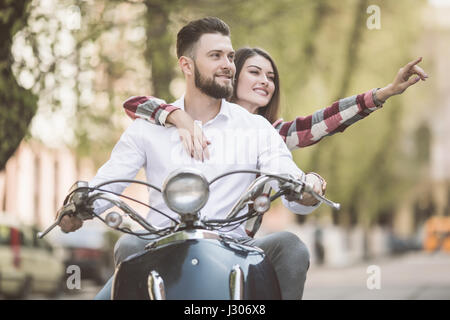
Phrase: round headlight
(185, 191)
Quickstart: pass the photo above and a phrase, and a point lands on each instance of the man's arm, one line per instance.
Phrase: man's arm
(127, 158)
(274, 157)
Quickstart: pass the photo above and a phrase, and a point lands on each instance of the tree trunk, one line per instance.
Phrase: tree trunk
(18, 105)
(159, 43)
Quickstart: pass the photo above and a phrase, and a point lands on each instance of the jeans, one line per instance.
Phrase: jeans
(287, 253)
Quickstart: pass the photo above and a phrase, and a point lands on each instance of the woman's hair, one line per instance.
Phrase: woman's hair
(270, 111)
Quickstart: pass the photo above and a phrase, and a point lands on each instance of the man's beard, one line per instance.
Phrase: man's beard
(211, 88)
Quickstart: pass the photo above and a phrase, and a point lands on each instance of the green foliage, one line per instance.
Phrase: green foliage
(18, 105)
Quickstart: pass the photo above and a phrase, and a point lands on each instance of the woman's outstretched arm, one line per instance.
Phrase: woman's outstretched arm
(306, 131)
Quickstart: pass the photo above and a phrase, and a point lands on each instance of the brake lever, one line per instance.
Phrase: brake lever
(309, 188)
(303, 186)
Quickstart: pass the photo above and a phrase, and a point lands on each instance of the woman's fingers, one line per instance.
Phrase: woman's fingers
(200, 143)
(412, 63)
(412, 68)
(195, 143)
(206, 153)
(404, 78)
(420, 72)
(186, 140)
(198, 150)
(187, 146)
(421, 75)
(205, 144)
(201, 147)
(197, 137)
(411, 81)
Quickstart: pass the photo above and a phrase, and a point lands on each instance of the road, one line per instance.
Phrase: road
(88, 290)
(413, 276)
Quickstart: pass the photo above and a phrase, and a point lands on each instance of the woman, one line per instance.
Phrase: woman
(257, 89)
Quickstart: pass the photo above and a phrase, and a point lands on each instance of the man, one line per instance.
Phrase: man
(205, 57)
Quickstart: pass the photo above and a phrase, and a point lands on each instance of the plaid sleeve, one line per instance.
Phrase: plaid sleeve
(306, 131)
(148, 108)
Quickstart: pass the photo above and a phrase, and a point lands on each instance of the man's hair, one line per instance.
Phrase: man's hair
(188, 36)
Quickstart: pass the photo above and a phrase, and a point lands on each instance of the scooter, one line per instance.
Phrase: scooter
(193, 258)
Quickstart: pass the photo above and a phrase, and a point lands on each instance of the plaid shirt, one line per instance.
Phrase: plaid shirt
(148, 108)
(299, 133)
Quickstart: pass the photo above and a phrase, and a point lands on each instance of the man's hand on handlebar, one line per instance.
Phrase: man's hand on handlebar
(70, 223)
(319, 186)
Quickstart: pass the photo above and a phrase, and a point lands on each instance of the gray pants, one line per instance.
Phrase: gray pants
(288, 254)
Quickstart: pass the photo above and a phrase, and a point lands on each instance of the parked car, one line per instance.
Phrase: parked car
(27, 264)
(91, 249)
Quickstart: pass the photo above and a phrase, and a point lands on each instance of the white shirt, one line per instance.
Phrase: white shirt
(239, 140)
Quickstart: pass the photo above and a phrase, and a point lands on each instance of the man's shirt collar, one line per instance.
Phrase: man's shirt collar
(224, 111)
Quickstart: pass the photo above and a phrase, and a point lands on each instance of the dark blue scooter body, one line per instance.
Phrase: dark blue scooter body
(197, 269)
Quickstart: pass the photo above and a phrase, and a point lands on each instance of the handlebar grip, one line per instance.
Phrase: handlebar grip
(334, 205)
(310, 190)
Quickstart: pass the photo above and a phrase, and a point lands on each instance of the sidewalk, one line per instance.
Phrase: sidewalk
(413, 276)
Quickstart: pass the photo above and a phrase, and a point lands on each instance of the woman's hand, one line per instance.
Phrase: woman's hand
(403, 80)
(194, 141)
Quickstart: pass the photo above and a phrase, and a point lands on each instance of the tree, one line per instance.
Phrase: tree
(18, 105)
(159, 44)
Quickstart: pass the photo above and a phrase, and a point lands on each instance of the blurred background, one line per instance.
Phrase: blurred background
(67, 66)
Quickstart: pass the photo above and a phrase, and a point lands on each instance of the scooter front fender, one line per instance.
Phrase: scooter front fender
(197, 269)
